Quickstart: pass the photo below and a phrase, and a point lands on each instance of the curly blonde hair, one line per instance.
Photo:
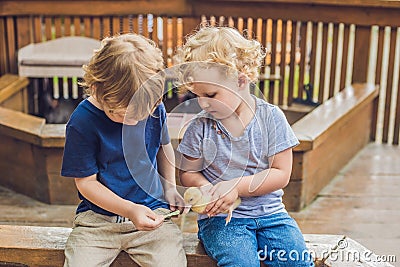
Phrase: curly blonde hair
(124, 64)
(225, 46)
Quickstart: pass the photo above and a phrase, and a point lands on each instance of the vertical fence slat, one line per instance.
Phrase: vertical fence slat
(179, 32)
(333, 60)
(345, 54)
(313, 55)
(77, 26)
(11, 44)
(293, 40)
(361, 51)
(263, 40)
(58, 27)
(67, 26)
(126, 24)
(115, 25)
(24, 32)
(282, 64)
(4, 63)
(145, 30)
(97, 28)
(386, 117)
(174, 34)
(378, 70)
(37, 29)
(48, 24)
(397, 117)
(321, 96)
(106, 28)
(87, 24)
(165, 39)
(155, 32)
(135, 24)
(250, 30)
(303, 56)
(274, 33)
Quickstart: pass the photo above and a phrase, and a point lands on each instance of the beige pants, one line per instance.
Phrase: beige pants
(96, 240)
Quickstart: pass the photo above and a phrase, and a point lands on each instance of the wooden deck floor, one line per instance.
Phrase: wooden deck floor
(362, 202)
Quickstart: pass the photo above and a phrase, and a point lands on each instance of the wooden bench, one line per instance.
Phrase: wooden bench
(44, 246)
(330, 136)
(59, 57)
(13, 92)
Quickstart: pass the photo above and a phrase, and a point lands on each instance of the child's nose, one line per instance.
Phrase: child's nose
(203, 102)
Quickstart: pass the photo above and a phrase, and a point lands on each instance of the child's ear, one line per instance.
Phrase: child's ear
(242, 80)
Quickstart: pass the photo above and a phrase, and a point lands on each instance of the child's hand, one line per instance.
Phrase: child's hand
(144, 218)
(174, 199)
(224, 194)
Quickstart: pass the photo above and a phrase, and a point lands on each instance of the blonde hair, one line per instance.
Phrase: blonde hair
(224, 46)
(126, 67)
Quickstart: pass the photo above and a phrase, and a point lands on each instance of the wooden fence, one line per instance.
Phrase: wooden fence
(317, 47)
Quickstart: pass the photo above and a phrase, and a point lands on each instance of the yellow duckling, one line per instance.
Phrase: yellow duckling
(198, 202)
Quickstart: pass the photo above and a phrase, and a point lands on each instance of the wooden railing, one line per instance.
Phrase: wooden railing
(319, 45)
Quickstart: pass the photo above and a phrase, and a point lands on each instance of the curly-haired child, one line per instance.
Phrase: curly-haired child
(238, 146)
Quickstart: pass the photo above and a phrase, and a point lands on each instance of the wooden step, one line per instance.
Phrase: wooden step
(44, 246)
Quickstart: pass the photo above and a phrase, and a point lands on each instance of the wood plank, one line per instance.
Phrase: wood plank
(282, 66)
(321, 89)
(115, 25)
(97, 28)
(346, 37)
(87, 27)
(48, 28)
(274, 33)
(58, 27)
(25, 35)
(67, 26)
(106, 30)
(20, 126)
(314, 38)
(13, 176)
(77, 26)
(3, 47)
(44, 246)
(389, 84)
(11, 45)
(126, 27)
(37, 29)
(361, 49)
(396, 129)
(378, 72)
(347, 143)
(10, 85)
(314, 125)
(334, 60)
(292, 63)
(303, 55)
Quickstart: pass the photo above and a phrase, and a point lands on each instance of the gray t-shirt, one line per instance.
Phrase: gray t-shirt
(227, 157)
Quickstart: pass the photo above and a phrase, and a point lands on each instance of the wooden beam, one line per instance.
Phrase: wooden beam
(97, 7)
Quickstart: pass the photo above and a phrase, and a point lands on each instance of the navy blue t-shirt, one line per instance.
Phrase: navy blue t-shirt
(122, 156)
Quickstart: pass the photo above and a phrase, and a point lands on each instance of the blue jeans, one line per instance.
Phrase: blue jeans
(275, 239)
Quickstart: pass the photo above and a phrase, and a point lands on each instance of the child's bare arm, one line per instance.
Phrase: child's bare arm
(190, 172)
(269, 180)
(264, 182)
(141, 216)
(166, 168)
